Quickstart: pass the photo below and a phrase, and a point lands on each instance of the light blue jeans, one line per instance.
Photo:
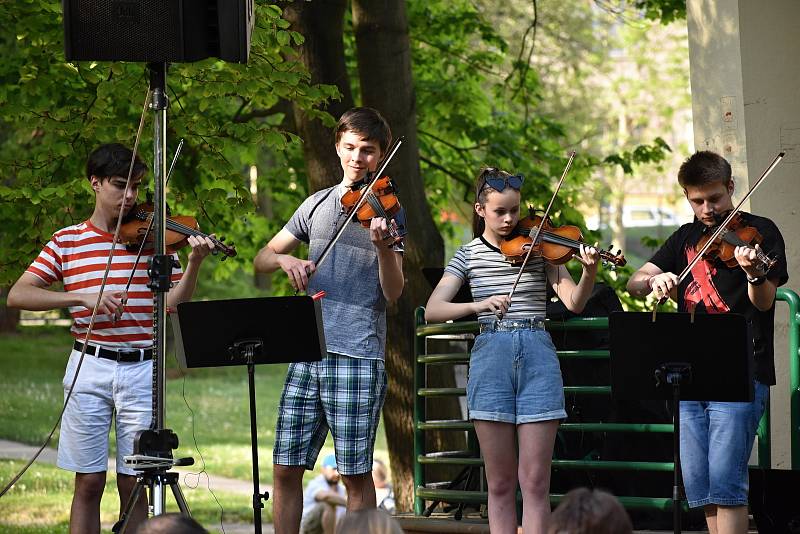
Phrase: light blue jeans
(716, 441)
(515, 377)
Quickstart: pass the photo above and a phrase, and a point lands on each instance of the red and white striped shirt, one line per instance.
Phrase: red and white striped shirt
(78, 255)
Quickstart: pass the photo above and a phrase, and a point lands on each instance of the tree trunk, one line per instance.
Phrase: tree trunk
(321, 23)
(9, 317)
(384, 65)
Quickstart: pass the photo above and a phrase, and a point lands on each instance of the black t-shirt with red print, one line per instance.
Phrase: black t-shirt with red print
(712, 287)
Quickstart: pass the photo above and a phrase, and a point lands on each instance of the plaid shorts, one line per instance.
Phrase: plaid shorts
(339, 393)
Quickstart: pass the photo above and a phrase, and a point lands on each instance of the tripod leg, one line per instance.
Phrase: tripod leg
(119, 526)
(180, 499)
(460, 510)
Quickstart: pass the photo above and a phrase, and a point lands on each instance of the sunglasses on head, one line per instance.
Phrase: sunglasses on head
(499, 183)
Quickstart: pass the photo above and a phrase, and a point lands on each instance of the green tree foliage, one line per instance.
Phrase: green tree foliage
(55, 113)
(480, 105)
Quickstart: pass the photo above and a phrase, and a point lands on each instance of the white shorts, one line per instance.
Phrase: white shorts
(105, 390)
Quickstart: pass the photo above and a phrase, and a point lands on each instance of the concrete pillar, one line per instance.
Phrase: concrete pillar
(745, 79)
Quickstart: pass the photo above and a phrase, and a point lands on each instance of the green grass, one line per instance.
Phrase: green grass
(40, 502)
(31, 370)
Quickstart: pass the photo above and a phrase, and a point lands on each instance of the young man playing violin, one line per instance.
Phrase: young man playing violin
(345, 391)
(115, 378)
(717, 437)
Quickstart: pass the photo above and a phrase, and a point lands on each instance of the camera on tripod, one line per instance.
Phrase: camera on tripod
(159, 443)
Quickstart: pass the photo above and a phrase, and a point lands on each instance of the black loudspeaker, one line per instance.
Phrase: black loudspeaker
(773, 500)
(161, 31)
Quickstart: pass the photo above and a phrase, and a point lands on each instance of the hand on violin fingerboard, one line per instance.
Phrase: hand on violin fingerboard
(297, 270)
(748, 260)
(201, 247)
(379, 233)
(589, 257)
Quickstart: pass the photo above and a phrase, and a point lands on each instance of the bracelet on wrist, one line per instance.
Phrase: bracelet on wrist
(756, 280)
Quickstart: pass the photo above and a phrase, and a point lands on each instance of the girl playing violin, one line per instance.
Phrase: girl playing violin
(514, 391)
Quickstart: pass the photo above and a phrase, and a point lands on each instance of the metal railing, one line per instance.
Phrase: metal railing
(471, 458)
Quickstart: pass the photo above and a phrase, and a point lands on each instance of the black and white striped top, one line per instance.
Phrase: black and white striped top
(488, 273)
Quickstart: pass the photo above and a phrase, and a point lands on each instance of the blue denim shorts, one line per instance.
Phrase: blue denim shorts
(716, 441)
(515, 377)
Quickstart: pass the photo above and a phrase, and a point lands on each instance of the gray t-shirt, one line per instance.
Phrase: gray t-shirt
(354, 308)
(488, 273)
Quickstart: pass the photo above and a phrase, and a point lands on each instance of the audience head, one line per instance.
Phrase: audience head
(171, 524)
(585, 511)
(380, 476)
(368, 521)
(329, 469)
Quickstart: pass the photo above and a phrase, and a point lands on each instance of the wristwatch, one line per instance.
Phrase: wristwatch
(756, 281)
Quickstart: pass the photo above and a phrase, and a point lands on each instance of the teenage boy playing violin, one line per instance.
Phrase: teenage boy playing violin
(514, 390)
(345, 391)
(715, 476)
(115, 378)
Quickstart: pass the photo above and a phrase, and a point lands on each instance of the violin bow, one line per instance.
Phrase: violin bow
(150, 226)
(381, 168)
(721, 227)
(539, 229)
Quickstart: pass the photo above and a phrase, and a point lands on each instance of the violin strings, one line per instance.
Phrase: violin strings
(571, 243)
(558, 240)
(377, 207)
(733, 238)
(187, 230)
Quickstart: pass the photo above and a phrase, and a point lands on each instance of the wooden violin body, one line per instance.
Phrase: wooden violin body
(557, 245)
(178, 229)
(735, 234)
(381, 201)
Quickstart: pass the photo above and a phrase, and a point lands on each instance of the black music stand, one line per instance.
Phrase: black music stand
(678, 356)
(249, 332)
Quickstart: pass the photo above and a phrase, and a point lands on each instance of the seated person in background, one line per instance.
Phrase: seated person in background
(370, 521)
(323, 500)
(384, 494)
(586, 511)
(171, 524)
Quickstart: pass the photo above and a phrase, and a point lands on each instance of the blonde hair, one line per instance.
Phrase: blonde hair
(369, 521)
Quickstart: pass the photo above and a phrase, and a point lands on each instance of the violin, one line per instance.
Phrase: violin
(381, 201)
(557, 245)
(135, 227)
(735, 234)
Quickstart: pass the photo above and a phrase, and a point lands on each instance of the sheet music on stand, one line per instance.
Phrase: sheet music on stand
(290, 328)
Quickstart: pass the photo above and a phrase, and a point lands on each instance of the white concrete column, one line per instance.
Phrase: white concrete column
(745, 79)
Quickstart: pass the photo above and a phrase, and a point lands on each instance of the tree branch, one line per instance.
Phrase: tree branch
(445, 170)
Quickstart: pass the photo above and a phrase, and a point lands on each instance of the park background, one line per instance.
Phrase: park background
(515, 85)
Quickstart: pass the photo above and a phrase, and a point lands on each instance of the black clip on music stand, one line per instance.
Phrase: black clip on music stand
(677, 357)
(248, 332)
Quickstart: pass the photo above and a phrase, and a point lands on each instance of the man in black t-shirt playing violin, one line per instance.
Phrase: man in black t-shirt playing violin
(717, 437)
